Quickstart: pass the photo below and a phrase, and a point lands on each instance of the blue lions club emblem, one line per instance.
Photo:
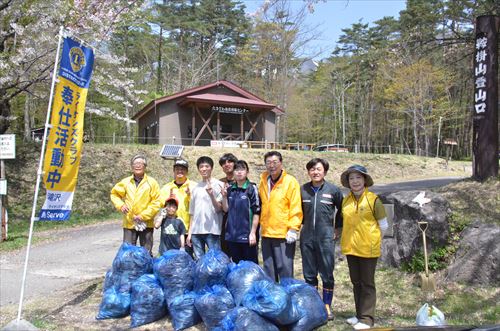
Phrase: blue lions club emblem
(76, 58)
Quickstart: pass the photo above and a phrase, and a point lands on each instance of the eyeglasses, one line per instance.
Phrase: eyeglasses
(138, 164)
(275, 162)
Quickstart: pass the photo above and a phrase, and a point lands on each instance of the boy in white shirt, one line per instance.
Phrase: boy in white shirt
(205, 209)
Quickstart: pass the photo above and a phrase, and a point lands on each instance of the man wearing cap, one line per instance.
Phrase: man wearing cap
(227, 162)
(181, 188)
(137, 197)
(365, 222)
(280, 217)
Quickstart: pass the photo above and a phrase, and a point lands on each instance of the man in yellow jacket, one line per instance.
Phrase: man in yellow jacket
(137, 197)
(280, 218)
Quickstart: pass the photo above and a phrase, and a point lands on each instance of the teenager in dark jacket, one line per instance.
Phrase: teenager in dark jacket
(241, 202)
(226, 162)
(322, 223)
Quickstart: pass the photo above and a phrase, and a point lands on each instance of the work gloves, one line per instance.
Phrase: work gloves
(383, 225)
(139, 225)
(291, 236)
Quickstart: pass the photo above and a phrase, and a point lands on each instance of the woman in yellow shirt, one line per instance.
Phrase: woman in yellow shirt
(364, 224)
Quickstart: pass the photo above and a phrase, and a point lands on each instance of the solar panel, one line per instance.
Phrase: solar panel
(171, 152)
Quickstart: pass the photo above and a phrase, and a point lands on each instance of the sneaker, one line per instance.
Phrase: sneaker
(352, 320)
(329, 312)
(361, 326)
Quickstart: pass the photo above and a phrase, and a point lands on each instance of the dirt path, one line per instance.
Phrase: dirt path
(78, 255)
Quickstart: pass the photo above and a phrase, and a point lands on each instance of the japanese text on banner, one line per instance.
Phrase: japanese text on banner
(65, 139)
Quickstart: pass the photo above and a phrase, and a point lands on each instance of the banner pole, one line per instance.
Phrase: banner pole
(39, 175)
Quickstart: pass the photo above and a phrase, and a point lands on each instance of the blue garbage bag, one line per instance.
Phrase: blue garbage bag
(289, 283)
(271, 301)
(213, 304)
(183, 311)
(133, 260)
(115, 301)
(114, 304)
(109, 280)
(309, 305)
(241, 277)
(211, 269)
(147, 303)
(244, 319)
(174, 269)
(130, 263)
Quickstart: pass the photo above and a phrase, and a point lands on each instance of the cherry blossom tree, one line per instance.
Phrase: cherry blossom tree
(28, 41)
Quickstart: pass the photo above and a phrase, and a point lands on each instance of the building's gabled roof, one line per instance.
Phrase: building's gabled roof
(222, 99)
(195, 91)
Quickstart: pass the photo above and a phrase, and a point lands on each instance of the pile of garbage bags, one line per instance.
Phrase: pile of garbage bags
(130, 264)
(223, 295)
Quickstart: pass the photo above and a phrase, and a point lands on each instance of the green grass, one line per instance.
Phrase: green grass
(399, 297)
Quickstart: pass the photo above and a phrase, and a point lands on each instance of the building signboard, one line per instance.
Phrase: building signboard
(230, 110)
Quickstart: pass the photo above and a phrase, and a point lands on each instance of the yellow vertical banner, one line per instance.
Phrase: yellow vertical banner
(65, 138)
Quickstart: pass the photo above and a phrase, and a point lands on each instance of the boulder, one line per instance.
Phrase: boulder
(407, 238)
(477, 260)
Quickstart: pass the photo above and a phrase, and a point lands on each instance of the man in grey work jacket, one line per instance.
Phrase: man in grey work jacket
(321, 203)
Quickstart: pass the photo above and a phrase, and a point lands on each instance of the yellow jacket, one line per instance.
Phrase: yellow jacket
(182, 196)
(143, 200)
(361, 234)
(282, 209)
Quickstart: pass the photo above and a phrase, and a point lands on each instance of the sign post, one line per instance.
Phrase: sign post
(449, 150)
(7, 151)
(485, 110)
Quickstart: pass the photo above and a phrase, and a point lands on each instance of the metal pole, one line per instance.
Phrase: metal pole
(3, 221)
(39, 175)
(439, 135)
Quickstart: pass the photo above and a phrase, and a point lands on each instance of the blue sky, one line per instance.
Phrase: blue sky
(335, 15)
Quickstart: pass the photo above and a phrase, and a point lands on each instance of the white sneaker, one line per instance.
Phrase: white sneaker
(361, 326)
(352, 320)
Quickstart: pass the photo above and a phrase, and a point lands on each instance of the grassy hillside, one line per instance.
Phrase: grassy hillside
(103, 165)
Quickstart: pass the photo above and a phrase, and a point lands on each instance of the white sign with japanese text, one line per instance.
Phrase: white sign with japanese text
(7, 146)
(225, 143)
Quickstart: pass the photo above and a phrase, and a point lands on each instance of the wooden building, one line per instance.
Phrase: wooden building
(220, 111)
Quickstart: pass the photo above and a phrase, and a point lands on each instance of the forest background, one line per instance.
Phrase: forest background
(400, 82)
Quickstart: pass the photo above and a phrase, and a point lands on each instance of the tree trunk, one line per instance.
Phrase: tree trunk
(127, 124)
(370, 126)
(159, 77)
(27, 119)
(416, 144)
(4, 114)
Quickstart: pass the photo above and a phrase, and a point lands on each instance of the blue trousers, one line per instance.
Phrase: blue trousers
(212, 241)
